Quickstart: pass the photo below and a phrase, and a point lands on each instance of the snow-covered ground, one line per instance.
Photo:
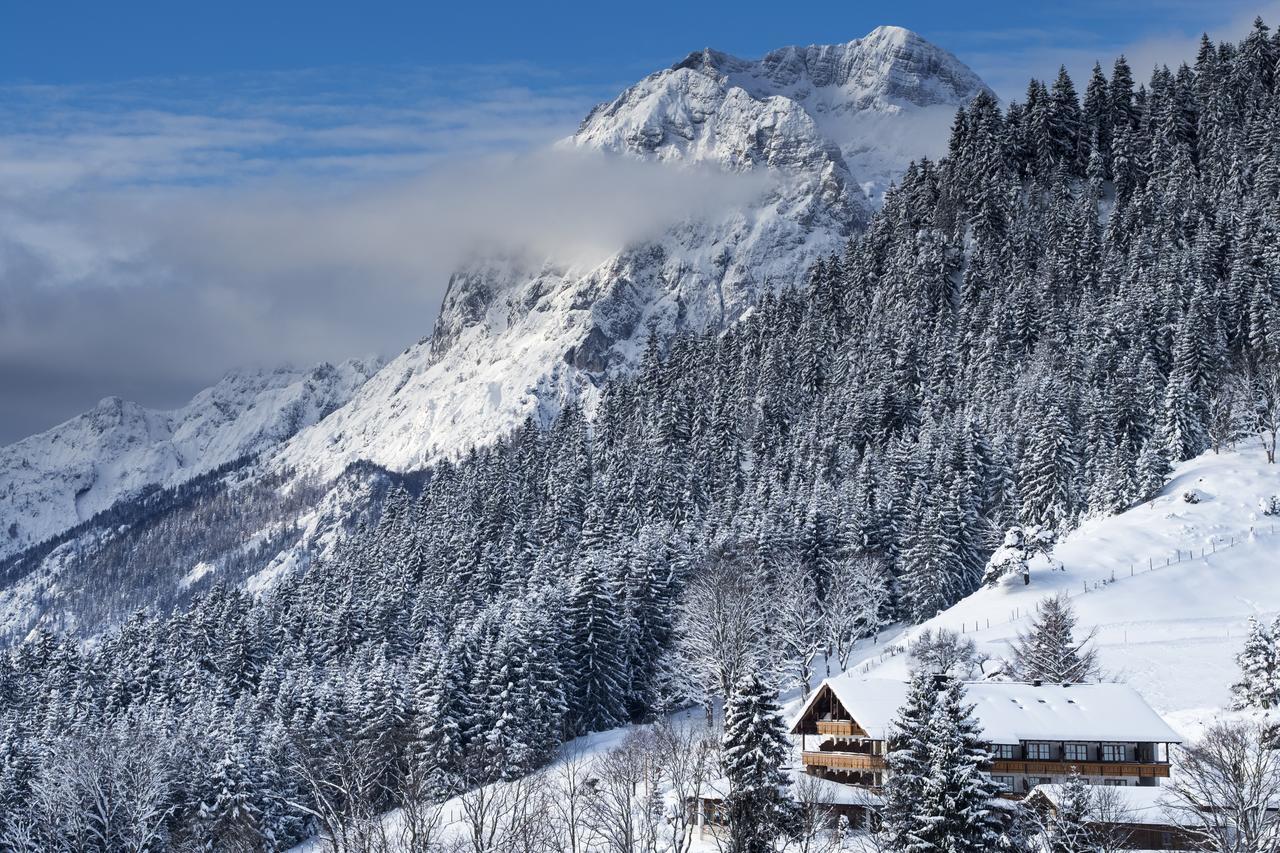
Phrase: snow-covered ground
(1169, 586)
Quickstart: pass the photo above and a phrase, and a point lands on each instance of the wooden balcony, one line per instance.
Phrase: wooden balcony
(1113, 769)
(844, 760)
(843, 728)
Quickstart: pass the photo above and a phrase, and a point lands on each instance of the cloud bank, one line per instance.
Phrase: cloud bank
(145, 252)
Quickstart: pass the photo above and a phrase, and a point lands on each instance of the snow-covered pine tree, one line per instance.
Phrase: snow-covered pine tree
(956, 813)
(1048, 651)
(230, 818)
(909, 759)
(939, 795)
(755, 748)
(1259, 684)
(1067, 828)
(597, 685)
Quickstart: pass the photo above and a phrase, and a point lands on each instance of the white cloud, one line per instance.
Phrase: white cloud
(144, 252)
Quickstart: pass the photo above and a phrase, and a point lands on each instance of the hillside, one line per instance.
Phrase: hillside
(817, 133)
(1169, 587)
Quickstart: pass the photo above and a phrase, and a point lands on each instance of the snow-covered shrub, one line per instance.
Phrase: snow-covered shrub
(1020, 546)
(1270, 505)
(1191, 496)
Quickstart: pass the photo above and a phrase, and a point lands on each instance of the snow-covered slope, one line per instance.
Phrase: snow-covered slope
(1168, 585)
(51, 481)
(821, 129)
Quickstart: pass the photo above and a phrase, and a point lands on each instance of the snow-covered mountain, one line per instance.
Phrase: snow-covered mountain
(816, 133)
(52, 481)
(824, 129)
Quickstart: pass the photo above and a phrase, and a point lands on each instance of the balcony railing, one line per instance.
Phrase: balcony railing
(844, 728)
(1005, 767)
(844, 760)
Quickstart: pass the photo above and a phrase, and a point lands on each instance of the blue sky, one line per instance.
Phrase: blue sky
(78, 42)
(188, 187)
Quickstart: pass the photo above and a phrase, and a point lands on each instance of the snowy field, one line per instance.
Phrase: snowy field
(1169, 587)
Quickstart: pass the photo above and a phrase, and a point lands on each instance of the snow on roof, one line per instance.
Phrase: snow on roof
(1134, 804)
(1010, 712)
(819, 790)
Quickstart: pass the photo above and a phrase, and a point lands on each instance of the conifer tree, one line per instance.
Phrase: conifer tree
(1067, 828)
(755, 748)
(1049, 652)
(1259, 663)
(597, 683)
(939, 796)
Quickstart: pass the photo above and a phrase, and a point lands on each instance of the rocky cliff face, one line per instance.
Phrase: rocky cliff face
(51, 481)
(823, 129)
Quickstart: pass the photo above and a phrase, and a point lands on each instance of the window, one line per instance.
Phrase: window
(1005, 782)
(1039, 752)
(1075, 752)
(1113, 752)
(1116, 783)
(1007, 751)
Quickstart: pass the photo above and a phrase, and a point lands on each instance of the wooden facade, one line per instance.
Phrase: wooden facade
(838, 747)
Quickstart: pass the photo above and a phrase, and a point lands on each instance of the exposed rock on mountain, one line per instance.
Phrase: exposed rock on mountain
(52, 481)
(824, 129)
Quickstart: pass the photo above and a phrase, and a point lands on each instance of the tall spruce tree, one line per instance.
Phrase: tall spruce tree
(755, 748)
(1259, 663)
(1048, 650)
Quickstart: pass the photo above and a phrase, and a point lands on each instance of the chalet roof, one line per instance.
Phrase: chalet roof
(1010, 712)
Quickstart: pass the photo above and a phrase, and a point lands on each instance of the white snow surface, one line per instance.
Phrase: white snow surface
(1011, 712)
(51, 481)
(825, 127)
(1167, 586)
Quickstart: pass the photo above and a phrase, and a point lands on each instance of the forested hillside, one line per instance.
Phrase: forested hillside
(1031, 331)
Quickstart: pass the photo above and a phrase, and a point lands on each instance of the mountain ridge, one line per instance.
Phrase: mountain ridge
(518, 338)
(53, 480)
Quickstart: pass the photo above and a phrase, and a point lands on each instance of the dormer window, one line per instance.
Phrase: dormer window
(1005, 751)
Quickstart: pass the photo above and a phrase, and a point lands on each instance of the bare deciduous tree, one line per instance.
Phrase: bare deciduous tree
(1260, 392)
(570, 783)
(342, 783)
(1226, 787)
(797, 620)
(945, 652)
(1223, 424)
(856, 596)
(105, 790)
(624, 809)
(684, 755)
(506, 817)
(817, 827)
(721, 628)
